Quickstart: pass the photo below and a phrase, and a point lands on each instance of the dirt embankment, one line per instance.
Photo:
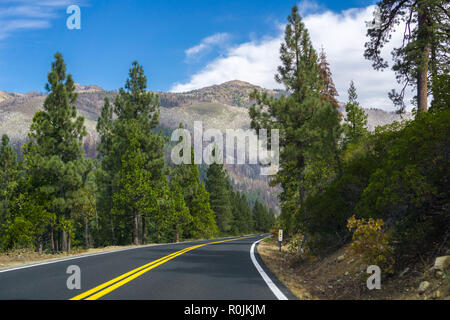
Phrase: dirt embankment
(341, 276)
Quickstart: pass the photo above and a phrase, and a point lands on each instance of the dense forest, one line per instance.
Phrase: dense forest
(386, 191)
(57, 198)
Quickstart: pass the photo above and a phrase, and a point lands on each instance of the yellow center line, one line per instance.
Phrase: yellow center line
(107, 287)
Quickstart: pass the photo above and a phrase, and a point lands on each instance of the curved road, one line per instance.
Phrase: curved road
(221, 269)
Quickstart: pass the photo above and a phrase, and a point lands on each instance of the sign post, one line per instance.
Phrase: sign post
(280, 237)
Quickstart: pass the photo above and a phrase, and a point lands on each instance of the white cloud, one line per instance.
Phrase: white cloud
(16, 15)
(342, 35)
(254, 62)
(306, 7)
(207, 43)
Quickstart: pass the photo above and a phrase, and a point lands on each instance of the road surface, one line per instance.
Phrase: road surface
(221, 269)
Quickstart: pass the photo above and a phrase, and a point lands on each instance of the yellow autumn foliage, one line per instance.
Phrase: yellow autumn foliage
(371, 243)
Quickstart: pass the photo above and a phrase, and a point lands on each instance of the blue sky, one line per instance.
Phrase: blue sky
(181, 44)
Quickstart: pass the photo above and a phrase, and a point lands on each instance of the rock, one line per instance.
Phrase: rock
(402, 274)
(351, 261)
(340, 258)
(439, 274)
(442, 263)
(346, 273)
(423, 287)
(20, 257)
(436, 295)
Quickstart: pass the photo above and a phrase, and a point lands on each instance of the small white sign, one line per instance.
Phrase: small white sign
(280, 235)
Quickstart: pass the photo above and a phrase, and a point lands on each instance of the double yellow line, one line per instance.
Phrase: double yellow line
(107, 287)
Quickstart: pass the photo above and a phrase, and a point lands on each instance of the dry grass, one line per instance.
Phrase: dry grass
(25, 256)
(279, 265)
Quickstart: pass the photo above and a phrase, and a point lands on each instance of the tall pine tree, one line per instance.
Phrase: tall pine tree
(202, 223)
(328, 92)
(308, 123)
(424, 49)
(132, 179)
(217, 186)
(9, 179)
(54, 155)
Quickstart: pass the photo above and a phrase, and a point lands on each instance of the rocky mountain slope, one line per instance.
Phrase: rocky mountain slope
(221, 107)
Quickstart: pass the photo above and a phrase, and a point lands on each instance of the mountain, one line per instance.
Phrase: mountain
(89, 88)
(221, 107)
(232, 93)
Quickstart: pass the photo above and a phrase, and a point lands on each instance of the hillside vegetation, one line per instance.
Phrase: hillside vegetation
(221, 106)
(380, 197)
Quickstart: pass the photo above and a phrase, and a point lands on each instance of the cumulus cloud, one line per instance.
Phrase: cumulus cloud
(254, 62)
(342, 35)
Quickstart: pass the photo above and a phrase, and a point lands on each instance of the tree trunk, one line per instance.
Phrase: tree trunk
(135, 229)
(144, 233)
(422, 84)
(68, 242)
(177, 234)
(64, 241)
(53, 241)
(422, 76)
(86, 233)
(39, 246)
(113, 237)
(111, 220)
(57, 242)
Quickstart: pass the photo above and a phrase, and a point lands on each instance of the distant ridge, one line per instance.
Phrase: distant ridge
(88, 88)
(223, 106)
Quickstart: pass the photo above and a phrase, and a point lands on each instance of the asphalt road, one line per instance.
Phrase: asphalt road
(221, 269)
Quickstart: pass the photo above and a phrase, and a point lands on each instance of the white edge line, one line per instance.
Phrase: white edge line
(277, 292)
(98, 253)
(72, 258)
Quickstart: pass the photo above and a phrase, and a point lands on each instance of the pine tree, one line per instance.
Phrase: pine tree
(424, 49)
(328, 92)
(9, 174)
(441, 92)
(356, 118)
(132, 179)
(217, 186)
(179, 214)
(54, 155)
(299, 73)
(242, 215)
(264, 219)
(105, 175)
(84, 204)
(9, 178)
(202, 223)
(309, 125)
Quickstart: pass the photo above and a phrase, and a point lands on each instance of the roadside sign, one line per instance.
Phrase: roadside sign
(280, 237)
